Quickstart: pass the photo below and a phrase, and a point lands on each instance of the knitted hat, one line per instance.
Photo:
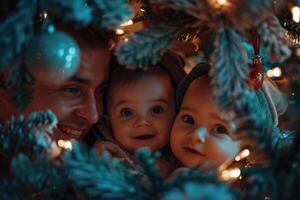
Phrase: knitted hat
(268, 98)
(199, 70)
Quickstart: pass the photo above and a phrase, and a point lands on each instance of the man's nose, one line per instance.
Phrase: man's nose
(89, 110)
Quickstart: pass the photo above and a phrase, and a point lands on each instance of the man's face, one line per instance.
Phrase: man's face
(192, 146)
(77, 102)
(142, 112)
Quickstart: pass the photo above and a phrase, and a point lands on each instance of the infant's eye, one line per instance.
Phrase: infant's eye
(157, 110)
(188, 119)
(126, 112)
(220, 129)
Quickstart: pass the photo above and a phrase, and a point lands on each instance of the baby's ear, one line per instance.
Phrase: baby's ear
(105, 127)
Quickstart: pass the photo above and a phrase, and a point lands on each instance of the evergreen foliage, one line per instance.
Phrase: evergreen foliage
(146, 47)
(29, 171)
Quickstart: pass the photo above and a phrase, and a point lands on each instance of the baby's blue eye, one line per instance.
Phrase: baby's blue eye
(188, 119)
(220, 129)
(157, 110)
(126, 112)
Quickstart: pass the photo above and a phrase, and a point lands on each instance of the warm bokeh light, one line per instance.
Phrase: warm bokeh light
(277, 72)
(127, 23)
(230, 174)
(119, 31)
(242, 155)
(222, 2)
(65, 144)
(296, 13)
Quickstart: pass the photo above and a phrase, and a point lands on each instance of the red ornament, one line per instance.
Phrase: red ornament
(256, 76)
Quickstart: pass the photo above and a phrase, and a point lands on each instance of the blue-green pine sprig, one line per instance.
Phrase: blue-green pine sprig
(15, 31)
(29, 136)
(230, 75)
(41, 177)
(145, 47)
(76, 11)
(194, 184)
(110, 14)
(101, 177)
(273, 40)
(148, 166)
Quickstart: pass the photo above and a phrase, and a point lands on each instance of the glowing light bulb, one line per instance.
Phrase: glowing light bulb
(119, 31)
(243, 154)
(277, 72)
(270, 73)
(235, 172)
(230, 174)
(222, 2)
(45, 14)
(296, 13)
(127, 23)
(65, 144)
(60, 143)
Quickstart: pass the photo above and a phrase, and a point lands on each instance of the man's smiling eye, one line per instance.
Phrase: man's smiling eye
(72, 90)
(188, 119)
(220, 129)
(157, 110)
(126, 112)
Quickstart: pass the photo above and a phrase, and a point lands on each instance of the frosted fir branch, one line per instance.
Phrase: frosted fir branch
(144, 48)
(40, 176)
(192, 183)
(28, 136)
(148, 166)
(111, 14)
(103, 178)
(273, 39)
(15, 31)
(188, 6)
(230, 74)
(210, 15)
(198, 190)
(204, 13)
(76, 11)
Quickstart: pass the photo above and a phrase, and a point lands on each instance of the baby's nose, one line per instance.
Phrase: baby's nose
(199, 135)
(143, 121)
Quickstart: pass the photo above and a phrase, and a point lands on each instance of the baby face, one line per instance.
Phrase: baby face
(199, 134)
(142, 112)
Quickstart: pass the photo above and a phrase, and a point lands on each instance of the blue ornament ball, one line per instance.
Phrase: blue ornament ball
(52, 57)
